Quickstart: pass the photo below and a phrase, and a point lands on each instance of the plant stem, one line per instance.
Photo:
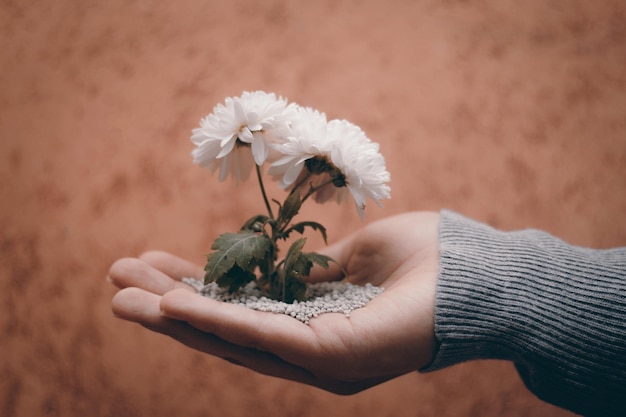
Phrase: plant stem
(278, 228)
(267, 203)
(302, 181)
(312, 190)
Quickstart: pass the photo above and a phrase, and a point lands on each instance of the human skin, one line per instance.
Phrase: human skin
(390, 336)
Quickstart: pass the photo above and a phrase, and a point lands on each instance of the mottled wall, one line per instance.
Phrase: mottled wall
(513, 113)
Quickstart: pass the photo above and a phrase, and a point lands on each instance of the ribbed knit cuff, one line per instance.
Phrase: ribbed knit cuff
(554, 309)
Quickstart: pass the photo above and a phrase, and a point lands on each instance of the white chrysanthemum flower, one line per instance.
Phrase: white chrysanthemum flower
(306, 140)
(240, 132)
(360, 163)
(337, 157)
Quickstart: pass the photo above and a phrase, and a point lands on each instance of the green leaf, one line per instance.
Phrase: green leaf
(295, 289)
(299, 227)
(295, 269)
(291, 207)
(298, 263)
(235, 278)
(292, 260)
(245, 249)
(319, 259)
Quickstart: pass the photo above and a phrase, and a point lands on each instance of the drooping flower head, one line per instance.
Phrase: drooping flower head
(239, 133)
(336, 158)
(360, 163)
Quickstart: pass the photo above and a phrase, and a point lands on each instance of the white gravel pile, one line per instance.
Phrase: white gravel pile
(324, 297)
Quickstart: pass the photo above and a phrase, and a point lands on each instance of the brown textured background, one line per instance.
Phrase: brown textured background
(513, 113)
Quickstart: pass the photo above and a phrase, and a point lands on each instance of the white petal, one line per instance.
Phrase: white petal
(259, 149)
(224, 169)
(291, 175)
(240, 115)
(359, 199)
(282, 161)
(246, 135)
(254, 126)
(226, 149)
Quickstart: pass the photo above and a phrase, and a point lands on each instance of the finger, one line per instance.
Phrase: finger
(331, 345)
(131, 272)
(281, 337)
(143, 307)
(140, 306)
(172, 265)
(280, 334)
(135, 304)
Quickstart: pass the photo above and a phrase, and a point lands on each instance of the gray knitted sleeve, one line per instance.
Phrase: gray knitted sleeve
(557, 311)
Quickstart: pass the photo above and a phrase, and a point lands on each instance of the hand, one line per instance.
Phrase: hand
(390, 336)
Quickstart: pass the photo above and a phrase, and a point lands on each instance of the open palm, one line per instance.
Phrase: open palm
(392, 335)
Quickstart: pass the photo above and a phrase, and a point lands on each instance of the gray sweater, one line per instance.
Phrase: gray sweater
(557, 311)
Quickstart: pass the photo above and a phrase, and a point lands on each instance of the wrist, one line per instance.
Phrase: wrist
(485, 305)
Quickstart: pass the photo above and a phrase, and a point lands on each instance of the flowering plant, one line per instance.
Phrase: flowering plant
(310, 157)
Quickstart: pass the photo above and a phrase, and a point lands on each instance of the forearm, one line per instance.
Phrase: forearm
(557, 311)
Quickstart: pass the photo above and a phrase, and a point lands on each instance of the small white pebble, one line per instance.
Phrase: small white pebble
(324, 297)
